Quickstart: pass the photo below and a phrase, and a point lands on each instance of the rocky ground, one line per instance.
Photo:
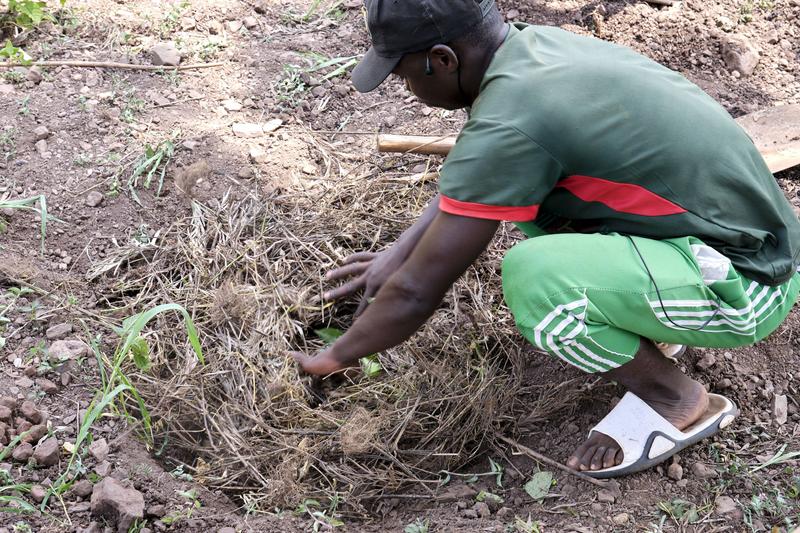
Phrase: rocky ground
(76, 135)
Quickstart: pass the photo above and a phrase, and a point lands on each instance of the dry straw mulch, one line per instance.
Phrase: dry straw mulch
(249, 272)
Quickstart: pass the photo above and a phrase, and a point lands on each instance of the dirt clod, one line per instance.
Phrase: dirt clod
(58, 331)
(482, 509)
(165, 54)
(724, 505)
(621, 519)
(38, 493)
(111, 500)
(47, 386)
(67, 349)
(739, 54)
(605, 496)
(24, 382)
(35, 433)
(22, 452)
(99, 450)
(82, 488)
(469, 513)
(29, 411)
(46, 453)
(780, 409)
(703, 471)
(675, 472)
(40, 133)
(94, 199)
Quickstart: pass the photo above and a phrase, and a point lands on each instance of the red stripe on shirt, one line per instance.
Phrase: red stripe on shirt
(621, 197)
(489, 212)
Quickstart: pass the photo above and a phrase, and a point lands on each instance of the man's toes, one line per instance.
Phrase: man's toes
(586, 458)
(597, 458)
(610, 457)
(574, 462)
(619, 458)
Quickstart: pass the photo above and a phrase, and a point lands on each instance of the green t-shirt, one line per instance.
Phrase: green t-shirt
(583, 135)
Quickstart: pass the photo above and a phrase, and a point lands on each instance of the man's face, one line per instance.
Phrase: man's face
(439, 89)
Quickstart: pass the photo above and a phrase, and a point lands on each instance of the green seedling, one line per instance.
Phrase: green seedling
(498, 468)
(332, 11)
(13, 53)
(117, 383)
(370, 366)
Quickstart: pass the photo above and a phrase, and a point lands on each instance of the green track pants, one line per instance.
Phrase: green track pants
(588, 298)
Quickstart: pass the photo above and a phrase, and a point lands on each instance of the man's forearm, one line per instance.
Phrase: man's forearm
(412, 235)
(396, 314)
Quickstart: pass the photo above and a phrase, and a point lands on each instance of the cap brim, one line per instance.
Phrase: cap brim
(372, 70)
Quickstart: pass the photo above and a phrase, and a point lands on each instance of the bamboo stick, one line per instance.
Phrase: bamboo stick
(416, 144)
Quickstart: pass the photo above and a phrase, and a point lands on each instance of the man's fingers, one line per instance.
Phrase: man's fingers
(369, 295)
(353, 269)
(359, 257)
(346, 290)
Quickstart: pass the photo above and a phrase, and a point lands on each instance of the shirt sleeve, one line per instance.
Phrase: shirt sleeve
(496, 172)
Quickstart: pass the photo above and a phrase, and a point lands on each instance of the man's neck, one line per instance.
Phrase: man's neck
(472, 78)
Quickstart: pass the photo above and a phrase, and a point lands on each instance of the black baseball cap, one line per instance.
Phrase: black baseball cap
(400, 27)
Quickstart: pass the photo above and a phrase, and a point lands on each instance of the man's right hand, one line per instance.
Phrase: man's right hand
(370, 270)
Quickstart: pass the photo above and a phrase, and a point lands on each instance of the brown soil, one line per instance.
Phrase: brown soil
(100, 120)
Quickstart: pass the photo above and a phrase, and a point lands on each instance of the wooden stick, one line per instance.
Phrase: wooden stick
(555, 464)
(417, 144)
(777, 159)
(108, 64)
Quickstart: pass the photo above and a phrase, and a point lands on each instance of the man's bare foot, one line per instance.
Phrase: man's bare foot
(601, 451)
(678, 398)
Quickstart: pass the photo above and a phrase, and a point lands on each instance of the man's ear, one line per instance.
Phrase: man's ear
(444, 58)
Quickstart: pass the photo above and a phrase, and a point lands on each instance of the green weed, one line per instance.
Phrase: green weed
(295, 79)
(170, 21)
(31, 205)
(527, 525)
(781, 456)
(418, 526)
(24, 15)
(152, 163)
(130, 105)
(12, 53)
(12, 504)
(193, 503)
(322, 519)
(22, 527)
(13, 76)
(681, 511)
(82, 160)
(24, 108)
(317, 11)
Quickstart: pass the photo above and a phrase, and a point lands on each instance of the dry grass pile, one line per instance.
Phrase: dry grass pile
(249, 271)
